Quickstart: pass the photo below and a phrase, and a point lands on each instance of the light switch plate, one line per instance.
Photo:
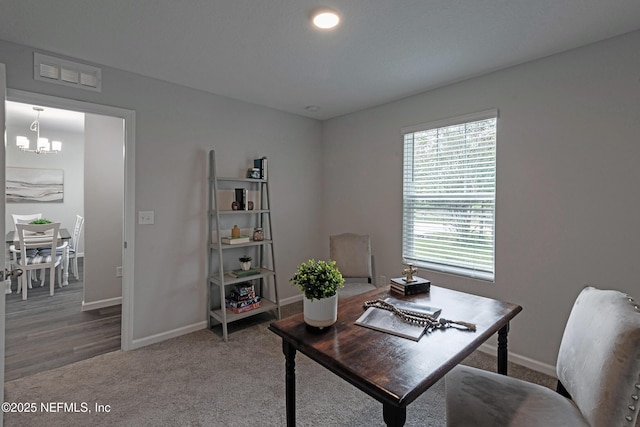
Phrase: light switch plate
(145, 217)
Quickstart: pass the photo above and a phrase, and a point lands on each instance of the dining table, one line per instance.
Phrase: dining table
(11, 238)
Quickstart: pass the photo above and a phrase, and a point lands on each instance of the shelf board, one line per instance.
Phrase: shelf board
(232, 179)
(230, 280)
(239, 211)
(267, 305)
(242, 245)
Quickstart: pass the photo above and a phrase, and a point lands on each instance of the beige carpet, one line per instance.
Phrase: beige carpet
(198, 380)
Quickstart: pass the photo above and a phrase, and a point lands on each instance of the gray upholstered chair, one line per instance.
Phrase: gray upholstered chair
(598, 372)
(352, 254)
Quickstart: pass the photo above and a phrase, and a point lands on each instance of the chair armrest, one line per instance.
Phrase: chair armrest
(13, 253)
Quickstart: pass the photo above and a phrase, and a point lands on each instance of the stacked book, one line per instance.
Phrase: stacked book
(243, 298)
(261, 164)
(402, 287)
(244, 273)
(235, 240)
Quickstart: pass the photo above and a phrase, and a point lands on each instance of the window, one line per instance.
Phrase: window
(449, 195)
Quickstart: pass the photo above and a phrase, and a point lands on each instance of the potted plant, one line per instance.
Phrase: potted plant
(320, 281)
(40, 221)
(245, 262)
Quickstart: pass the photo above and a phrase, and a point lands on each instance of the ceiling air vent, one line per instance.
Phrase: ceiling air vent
(68, 75)
(60, 71)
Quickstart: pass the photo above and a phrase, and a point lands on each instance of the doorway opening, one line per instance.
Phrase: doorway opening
(100, 295)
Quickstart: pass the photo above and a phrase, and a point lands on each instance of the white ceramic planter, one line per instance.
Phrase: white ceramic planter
(245, 265)
(320, 313)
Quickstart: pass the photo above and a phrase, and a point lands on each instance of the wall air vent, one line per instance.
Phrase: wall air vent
(60, 71)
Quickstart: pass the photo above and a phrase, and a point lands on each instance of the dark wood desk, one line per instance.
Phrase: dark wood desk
(394, 370)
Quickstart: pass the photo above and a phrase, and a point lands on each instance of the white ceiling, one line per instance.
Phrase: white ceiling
(20, 115)
(266, 52)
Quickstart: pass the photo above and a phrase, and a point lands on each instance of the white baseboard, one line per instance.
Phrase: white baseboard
(291, 300)
(142, 342)
(521, 360)
(101, 303)
(152, 339)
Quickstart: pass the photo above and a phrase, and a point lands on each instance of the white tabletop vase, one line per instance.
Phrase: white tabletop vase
(320, 313)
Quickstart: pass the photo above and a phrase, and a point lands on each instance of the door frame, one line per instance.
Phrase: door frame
(128, 238)
(3, 95)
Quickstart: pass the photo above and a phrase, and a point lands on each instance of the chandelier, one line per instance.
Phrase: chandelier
(42, 144)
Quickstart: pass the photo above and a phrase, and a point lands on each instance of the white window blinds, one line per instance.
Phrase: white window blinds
(449, 195)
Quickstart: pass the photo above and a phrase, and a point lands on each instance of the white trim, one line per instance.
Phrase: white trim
(129, 232)
(2, 212)
(290, 300)
(101, 303)
(451, 270)
(473, 117)
(152, 339)
(128, 254)
(521, 360)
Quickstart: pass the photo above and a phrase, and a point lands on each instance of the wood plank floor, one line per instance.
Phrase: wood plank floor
(45, 332)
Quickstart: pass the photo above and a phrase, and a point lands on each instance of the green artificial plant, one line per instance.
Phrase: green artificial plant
(40, 221)
(318, 279)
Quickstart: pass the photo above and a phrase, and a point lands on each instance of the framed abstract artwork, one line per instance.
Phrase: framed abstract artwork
(32, 185)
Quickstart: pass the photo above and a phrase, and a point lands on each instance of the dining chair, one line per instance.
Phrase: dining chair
(33, 236)
(598, 371)
(73, 246)
(352, 254)
(25, 219)
(71, 250)
(13, 254)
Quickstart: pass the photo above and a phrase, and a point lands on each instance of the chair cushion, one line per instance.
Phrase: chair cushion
(352, 254)
(479, 398)
(42, 259)
(599, 356)
(47, 251)
(30, 253)
(354, 287)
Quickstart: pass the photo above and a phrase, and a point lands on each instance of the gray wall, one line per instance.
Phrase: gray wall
(567, 181)
(175, 127)
(567, 148)
(104, 195)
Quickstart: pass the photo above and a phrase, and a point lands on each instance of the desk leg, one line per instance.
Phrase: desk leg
(394, 416)
(502, 349)
(290, 382)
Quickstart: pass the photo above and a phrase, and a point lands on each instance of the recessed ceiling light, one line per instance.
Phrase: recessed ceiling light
(325, 18)
(312, 108)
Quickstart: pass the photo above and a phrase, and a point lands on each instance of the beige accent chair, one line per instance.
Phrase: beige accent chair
(352, 254)
(598, 372)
